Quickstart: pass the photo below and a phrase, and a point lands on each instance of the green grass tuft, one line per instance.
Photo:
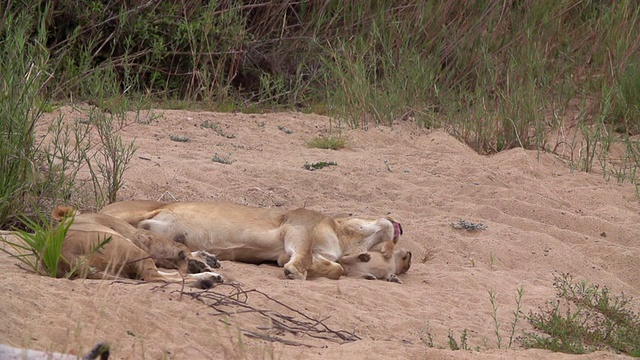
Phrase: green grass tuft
(178, 138)
(327, 142)
(40, 247)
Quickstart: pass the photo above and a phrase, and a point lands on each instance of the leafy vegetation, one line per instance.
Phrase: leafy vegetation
(327, 142)
(178, 138)
(226, 160)
(319, 165)
(560, 77)
(37, 172)
(584, 318)
(40, 248)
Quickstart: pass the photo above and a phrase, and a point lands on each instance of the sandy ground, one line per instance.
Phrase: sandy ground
(540, 216)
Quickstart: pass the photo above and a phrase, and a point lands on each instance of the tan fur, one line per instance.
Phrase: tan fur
(374, 265)
(304, 241)
(131, 252)
(131, 211)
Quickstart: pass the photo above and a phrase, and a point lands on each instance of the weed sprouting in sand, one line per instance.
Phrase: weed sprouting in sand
(463, 343)
(223, 159)
(179, 138)
(318, 165)
(285, 129)
(327, 142)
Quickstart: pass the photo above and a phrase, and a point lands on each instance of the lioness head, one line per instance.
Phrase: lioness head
(163, 251)
(403, 260)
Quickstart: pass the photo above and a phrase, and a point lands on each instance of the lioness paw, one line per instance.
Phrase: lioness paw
(208, 280)
(293, 274)
(370, 277)
(394, 278)
(211, 260)
(196, 266)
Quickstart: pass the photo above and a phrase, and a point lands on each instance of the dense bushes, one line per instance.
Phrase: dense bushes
(496, 74)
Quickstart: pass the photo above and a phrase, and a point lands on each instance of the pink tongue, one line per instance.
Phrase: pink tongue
(397, 229)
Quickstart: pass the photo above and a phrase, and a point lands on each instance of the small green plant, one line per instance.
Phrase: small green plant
(285, 130)
(584, 318)
(472, 261)
(112, 158)
(209, 125)
(178, 138)
(225, 134)
(40, 246)
(425, 335)
(327, 142)
(453, 343)
(214, 126)
(40, 249)
(318, 165)
(494, 316)
(516, 315)
(223, 159)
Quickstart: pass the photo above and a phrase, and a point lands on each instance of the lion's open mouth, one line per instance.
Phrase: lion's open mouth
(397, 230)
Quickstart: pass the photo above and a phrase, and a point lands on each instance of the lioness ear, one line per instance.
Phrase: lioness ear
(60, 212)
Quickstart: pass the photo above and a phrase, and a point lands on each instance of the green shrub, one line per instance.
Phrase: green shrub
(23, 74)
(584, 318)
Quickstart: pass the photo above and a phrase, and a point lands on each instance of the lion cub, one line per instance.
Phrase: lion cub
(373, 265)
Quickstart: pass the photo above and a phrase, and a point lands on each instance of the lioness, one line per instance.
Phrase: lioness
(130, 253)
(164, 252)
(373, 265)
(304, 241)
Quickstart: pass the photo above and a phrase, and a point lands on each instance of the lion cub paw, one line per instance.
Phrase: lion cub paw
(394, 278)
(370, 277)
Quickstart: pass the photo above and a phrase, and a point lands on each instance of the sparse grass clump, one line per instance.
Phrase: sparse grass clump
(216, 127)
(328, 142)
(318, 165)
(226, 160)
(584, 318)
(179, 138)
(285, 129)
(207, 124)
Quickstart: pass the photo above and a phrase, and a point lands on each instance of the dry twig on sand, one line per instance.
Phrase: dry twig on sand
(237, 302)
